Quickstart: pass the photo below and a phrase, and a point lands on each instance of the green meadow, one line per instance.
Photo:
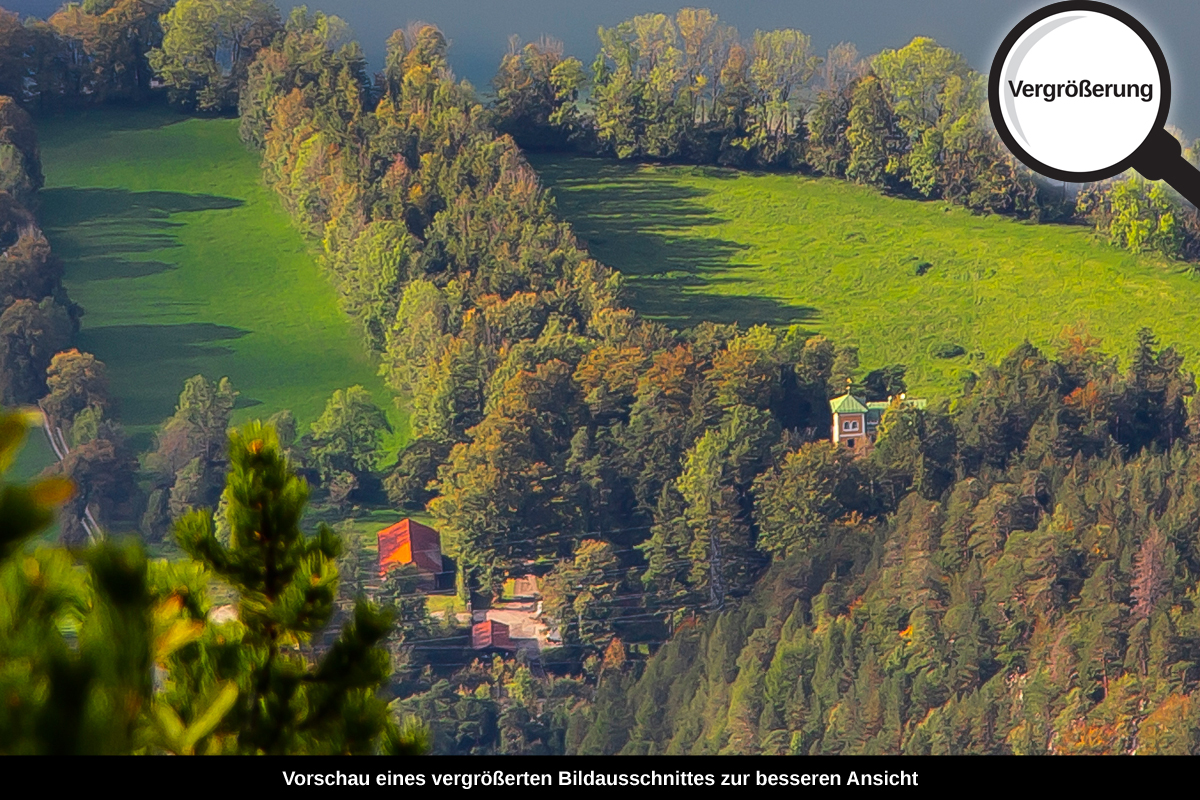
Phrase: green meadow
(903, 280)
(186, 264)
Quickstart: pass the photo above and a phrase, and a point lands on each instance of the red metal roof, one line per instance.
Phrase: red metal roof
(490, 633)
(409, 542)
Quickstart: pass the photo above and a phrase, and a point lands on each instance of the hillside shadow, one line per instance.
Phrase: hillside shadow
(643, 225)
(99, 232)
(158, 359)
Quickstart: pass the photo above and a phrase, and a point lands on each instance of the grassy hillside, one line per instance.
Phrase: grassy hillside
(186, 264)
(899, 278)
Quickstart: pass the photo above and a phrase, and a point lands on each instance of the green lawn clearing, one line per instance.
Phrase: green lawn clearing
(903, 280)
(186, 264)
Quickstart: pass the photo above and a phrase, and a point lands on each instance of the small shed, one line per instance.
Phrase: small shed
(410, 542)
(491, 635)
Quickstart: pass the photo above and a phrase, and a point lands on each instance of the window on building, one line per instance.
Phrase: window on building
(850, 425)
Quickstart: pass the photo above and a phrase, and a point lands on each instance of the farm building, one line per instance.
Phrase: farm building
(491, 635)
(410, 542)
(855, 422)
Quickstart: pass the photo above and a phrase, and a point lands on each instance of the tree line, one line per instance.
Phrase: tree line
(90, 52)
(37, 319)
(100, 51)
(37, 326)
(688, 88)
(912, 121)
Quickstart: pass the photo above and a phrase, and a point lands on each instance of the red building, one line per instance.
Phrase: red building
(409, 542)
(491, 635)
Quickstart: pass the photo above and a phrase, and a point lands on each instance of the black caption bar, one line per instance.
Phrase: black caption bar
(538, 776)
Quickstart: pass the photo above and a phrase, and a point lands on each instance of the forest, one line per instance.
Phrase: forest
(1010, 569)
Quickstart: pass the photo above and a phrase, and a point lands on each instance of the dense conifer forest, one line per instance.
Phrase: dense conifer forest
(1011, 569)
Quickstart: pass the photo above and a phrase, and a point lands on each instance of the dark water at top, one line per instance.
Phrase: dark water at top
(479, 29)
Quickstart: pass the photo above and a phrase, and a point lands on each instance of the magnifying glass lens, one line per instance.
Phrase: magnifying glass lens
(1081, 91)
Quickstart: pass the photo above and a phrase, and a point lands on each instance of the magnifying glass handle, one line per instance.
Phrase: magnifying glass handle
(1186, 180)
(1161, 159)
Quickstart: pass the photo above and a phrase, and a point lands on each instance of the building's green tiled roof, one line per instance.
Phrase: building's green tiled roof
(849, 404)
(882, 405)
(846, 404)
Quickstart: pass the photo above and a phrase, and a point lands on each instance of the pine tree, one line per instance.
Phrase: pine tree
(287, 586)
(80, 632)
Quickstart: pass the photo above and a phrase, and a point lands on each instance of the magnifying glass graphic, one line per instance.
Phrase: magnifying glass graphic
(1079, 92)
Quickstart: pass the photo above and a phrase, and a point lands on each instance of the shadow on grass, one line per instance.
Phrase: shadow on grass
(98, 231)
(103, 120)
(639, 223)
(158, 359)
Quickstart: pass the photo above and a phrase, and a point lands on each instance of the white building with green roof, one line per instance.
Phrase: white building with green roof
(855, 421)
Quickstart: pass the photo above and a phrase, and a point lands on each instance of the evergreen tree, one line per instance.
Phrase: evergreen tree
(84, 629)
(286, 584)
